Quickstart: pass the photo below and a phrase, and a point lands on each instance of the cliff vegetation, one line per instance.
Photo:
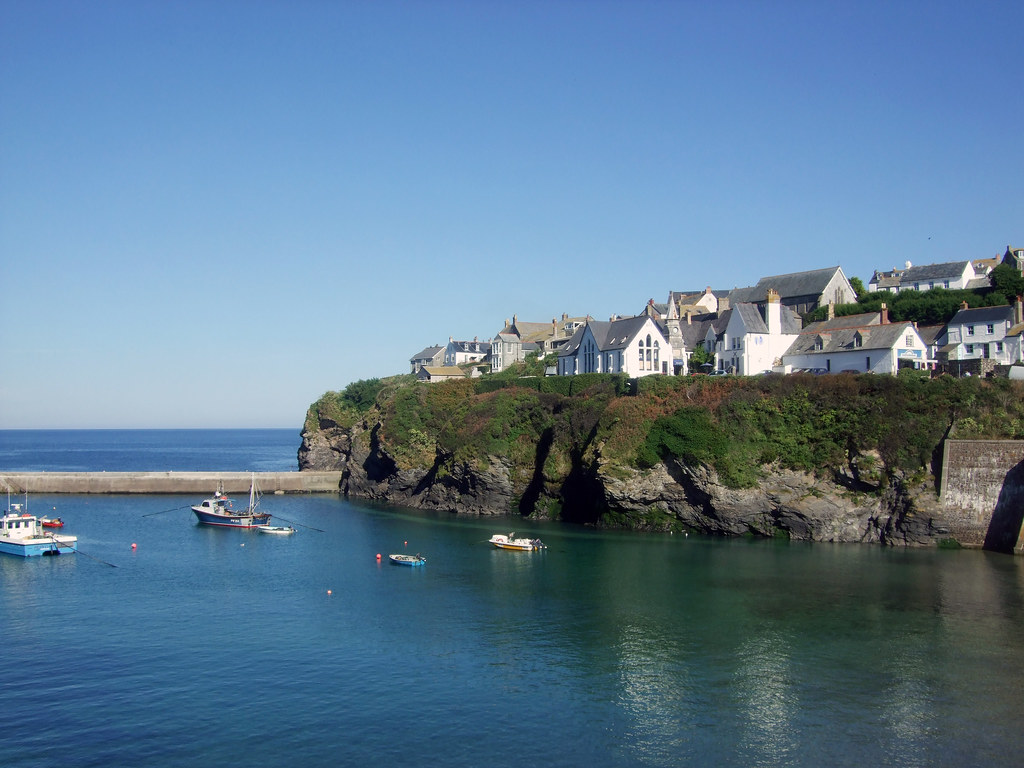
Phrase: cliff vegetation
(838, 457)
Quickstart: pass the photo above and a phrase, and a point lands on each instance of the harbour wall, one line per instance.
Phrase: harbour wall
(169, 482)
(982, 489)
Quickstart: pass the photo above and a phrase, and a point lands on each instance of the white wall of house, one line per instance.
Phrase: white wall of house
(647, 353)
(908, 346)
(980, 340)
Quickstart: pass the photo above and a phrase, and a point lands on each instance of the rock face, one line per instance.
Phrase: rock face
(854, 507)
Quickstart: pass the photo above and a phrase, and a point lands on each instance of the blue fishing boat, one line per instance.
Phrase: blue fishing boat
(219, 510)
(407, 560)
(22, 535)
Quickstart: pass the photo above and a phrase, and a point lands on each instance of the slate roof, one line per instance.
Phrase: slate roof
(950, 270)
(983, 315)
(930, 333)
(472, 346)
(427, 354)
(609, 335)
(754, 321)
(810, 283)
(442, 371)
(844, 339)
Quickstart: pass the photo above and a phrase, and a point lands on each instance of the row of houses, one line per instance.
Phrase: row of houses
(748, 331)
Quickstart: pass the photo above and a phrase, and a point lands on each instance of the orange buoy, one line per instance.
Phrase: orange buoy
(329, 592)
(378, 555)
(133, 545)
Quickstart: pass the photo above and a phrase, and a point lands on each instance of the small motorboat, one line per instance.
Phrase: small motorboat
(280, 530)
(407, 559)
(51, 522)
(501, 541)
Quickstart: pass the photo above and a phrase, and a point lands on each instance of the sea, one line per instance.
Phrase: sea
(165, 643)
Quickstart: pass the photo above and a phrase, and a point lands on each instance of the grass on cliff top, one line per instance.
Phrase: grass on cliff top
(735, 425)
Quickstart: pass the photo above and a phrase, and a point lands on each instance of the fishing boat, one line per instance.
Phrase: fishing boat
(219, 510)
(51, 522)
(22, 535)
(280, 530)
(503, 541)
(407, 559)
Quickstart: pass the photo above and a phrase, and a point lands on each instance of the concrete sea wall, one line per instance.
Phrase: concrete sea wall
(983, 490)
(169, 482)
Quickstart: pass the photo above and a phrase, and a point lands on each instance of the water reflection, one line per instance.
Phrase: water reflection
(766, 700)
(655, 692)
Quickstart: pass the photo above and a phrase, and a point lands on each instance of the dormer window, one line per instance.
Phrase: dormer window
(819, 344)
(858, 340)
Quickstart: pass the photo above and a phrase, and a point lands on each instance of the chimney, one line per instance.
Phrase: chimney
(773, 313)
(831, 310)
(883, 315)
(707, 290)
(689, 317)
(565, 316)
(1018, 311)
(963, 305)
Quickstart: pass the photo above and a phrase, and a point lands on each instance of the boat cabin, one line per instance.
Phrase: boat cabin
(18, 525)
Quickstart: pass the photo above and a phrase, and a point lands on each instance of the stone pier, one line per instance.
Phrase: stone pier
(168, 482)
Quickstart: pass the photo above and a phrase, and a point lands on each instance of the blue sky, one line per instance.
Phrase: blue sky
(213, 212)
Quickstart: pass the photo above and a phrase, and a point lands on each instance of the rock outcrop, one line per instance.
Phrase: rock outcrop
(855, 506)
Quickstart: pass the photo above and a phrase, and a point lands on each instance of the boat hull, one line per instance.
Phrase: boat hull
(230, 521)
(407, 560)
(38, 547)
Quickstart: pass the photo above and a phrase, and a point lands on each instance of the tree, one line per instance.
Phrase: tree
(1006, 280)
(858, 287)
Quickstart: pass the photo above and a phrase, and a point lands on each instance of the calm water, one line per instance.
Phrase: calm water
(209, 647)
(149, 450)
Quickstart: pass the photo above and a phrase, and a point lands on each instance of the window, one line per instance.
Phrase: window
(990, 329)
(909, 341)
(999, 347)
(945, 284)
(970, 330)
(969, 349)
(867, 363)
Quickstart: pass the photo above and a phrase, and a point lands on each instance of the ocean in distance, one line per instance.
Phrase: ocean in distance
(207, 647)
(149, 450)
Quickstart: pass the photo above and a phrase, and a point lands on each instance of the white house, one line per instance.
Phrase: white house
(953, 276)
(865, 343)
(459, 352)
(635, 346)
(755, 337)
(1013, 340)
(979, 334)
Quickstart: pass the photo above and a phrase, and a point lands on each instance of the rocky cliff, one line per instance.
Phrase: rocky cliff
(852, 506)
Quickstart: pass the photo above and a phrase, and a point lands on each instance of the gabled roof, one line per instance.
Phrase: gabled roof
(753, 318)
(930, 333)
(471, 346)
(450, 371)
(845, 339)
(609, 335)
(427, 354)
(810, 283)
(949, 270)
(983, 315)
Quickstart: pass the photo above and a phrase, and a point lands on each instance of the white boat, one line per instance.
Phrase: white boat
(219, 510)
(503, 541)
(281, 530)
(22, 535)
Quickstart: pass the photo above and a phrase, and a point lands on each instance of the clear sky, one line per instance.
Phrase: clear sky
(212, 212)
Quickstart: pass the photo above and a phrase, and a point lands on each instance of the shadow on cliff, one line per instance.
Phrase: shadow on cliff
(582, 494)
(528, 502)
(1008, 515)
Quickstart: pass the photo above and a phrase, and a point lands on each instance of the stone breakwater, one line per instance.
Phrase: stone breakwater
(169, 482)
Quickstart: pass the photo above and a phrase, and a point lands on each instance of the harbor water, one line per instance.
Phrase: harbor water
(207, 647)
